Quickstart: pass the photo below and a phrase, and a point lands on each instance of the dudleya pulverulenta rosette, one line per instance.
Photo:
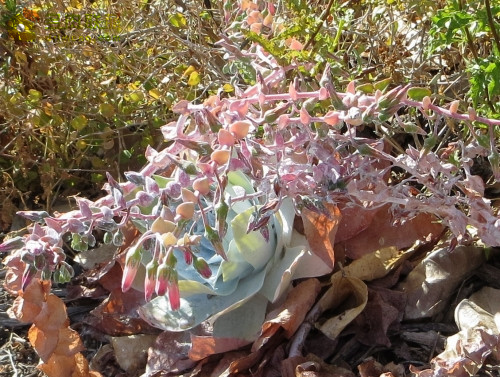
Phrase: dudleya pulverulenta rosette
(258, 269)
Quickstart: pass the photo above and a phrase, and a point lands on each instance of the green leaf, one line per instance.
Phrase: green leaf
(79, 243)
(382, 84)
(366, 88)
(34, 95)
(269, 46)
(178, 20)
(155, 93)
(107, 110)
(79, 122)
(136, 96)
(417, 93)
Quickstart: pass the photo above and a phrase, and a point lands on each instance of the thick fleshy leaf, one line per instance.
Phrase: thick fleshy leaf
(235, 267)
(252, 246)
(251, 314)
(197, 308)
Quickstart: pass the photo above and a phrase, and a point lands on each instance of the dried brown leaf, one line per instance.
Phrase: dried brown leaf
(292, 312)
(382, 232)
(348, 297)
(320, 230)
(169, 354)
(28, 305)
(44, 342)
(204, 346)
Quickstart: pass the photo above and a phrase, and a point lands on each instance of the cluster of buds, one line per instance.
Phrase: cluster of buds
(42, 253)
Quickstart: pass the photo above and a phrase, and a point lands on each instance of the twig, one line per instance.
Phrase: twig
(323, 17)
(491, 22)
(300, 336)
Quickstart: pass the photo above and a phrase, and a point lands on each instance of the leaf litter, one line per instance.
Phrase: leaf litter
(391, 306)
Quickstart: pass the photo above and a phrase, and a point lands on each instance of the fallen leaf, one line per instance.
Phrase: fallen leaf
(169, 354)
(430, 284)
(292, 312)
(377, 264)
(44, 342)
(131, 351)
(320, 230)
(382, 232)
(346, 297)
(354, 220)
(28, 305)
(384, 310)
(69, 343)
(370, 368)
(53, 315)
(204, 346)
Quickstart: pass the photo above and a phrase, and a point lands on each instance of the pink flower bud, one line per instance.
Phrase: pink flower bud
(472, 114)
(426, 102)
(323, 94)
(202, 185)
(188, 257)
(202, 267)
(332, 118)
(305, 118)
(132, 262)
(293, 92)
(225, 137)
(162, 276)
(454, 106)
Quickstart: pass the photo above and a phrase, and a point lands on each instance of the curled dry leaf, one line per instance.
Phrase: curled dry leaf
(383, 312)
(57, 345)
(292, 312)
(169, 354)
(477, 341)
(430, 284)
(348, 297)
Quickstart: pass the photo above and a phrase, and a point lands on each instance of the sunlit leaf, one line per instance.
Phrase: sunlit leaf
(178, 20)
(194, 78)
(228, 88)
(155, 93)
(417, 93)
(79, 122)
(107, 110)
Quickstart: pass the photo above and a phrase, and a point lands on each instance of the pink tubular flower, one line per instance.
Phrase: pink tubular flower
(150, 281)
(174, 295)
(162, 276)
(132, 262)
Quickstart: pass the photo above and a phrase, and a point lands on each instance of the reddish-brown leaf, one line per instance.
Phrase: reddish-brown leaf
(292, 312)
(44, 342)
(28, 305)
(382, 232)
(169, 353)
(320, 230)
(69, 342)
(53, 315)
(204, 346)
